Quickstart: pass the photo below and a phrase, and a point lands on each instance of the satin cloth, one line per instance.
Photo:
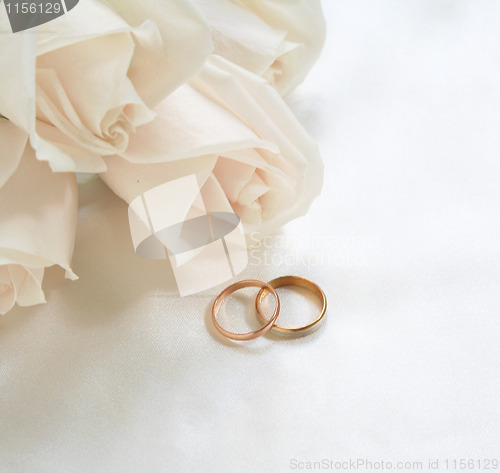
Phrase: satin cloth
(117, 373)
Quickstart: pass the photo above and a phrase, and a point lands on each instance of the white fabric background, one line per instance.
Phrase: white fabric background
(118, 374)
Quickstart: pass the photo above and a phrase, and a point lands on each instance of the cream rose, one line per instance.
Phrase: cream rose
(277, 39)
(86, 81)
(38, 212)
(233, 130)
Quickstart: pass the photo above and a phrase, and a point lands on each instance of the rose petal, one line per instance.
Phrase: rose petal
(17, 76)
(186, 44)
(189, 124)
(242, 37)
(214, 197)
(304, 24)
(7, 292)
(64, 152)
(253, 191)
(12, 141)
(107, 57)
(257, 105)
(27, 285)
(38, 212)
(233, 176)
(261, 108)
(129, 180)
(85, 118)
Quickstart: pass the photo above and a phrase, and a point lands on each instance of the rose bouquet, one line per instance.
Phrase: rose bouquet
(142, 93)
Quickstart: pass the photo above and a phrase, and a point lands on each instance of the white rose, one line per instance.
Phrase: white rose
(278, 39)
(233, 130)
(38, 213)
(86, 81)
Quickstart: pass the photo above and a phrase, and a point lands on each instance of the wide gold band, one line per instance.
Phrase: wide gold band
(299, 282)
(240, 285)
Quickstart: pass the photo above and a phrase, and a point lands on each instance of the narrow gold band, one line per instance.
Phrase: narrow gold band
(298, 282)
(240, 285)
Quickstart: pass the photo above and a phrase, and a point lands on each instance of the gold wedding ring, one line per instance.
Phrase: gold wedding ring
(270, 324)
(240, 285)
(298, 282)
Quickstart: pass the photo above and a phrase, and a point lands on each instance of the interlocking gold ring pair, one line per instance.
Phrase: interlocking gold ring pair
(270, 324)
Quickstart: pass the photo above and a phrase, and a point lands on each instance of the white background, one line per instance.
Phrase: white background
(116, 374)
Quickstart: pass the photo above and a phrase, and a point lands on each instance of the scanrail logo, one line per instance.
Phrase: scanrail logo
(24, 15)
(200, 236)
